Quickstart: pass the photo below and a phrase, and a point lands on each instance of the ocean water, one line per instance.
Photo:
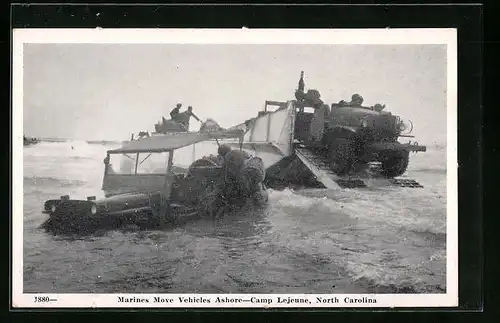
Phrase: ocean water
(390, 240)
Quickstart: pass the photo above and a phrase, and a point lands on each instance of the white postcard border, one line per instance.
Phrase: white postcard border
(235, 36)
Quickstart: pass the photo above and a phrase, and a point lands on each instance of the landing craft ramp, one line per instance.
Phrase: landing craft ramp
(319, 167)
(270, 137)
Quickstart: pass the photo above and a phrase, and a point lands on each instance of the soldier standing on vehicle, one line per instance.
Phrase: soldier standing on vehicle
(175, 111)
(184, 117)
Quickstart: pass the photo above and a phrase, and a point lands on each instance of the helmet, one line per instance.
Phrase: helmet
(357, 98)
(223, 149)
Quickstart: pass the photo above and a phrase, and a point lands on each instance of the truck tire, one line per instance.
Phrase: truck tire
(341, 155)
(395, 164)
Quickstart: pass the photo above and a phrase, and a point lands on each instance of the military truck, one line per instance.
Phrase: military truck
(350, 136)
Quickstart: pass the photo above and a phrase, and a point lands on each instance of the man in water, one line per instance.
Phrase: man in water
(184, 117)
(175, 111)
(223, 150)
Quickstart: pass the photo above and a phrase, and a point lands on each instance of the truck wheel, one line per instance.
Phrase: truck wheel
(341, 155)
(395, 164)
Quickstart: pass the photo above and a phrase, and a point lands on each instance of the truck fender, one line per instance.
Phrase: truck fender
(341, 132)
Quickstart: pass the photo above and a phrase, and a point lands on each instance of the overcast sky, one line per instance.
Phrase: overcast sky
(100, 91)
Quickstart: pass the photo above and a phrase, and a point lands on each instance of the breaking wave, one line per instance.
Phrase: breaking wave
(51, 181)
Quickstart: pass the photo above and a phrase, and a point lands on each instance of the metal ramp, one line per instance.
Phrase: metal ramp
(319, 167)
(405, 183)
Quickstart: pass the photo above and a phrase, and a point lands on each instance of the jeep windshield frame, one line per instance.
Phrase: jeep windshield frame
(136, 160)
(118, 182)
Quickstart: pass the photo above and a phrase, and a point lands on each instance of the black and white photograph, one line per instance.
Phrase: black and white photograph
(235, 168)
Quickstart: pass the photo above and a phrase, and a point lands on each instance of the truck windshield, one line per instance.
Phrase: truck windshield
(142, 163)
(156, 163)
(185, 156)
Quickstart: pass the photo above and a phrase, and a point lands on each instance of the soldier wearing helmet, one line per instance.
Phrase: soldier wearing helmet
(356, 100)
(223, 150)
(378, 107)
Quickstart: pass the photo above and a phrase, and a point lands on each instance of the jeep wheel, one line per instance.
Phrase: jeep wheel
(341, 156)
(395, 164)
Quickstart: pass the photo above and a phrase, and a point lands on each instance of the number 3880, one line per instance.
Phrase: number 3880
(41, 299)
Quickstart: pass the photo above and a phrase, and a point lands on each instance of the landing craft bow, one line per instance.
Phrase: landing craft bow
(307, 140)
